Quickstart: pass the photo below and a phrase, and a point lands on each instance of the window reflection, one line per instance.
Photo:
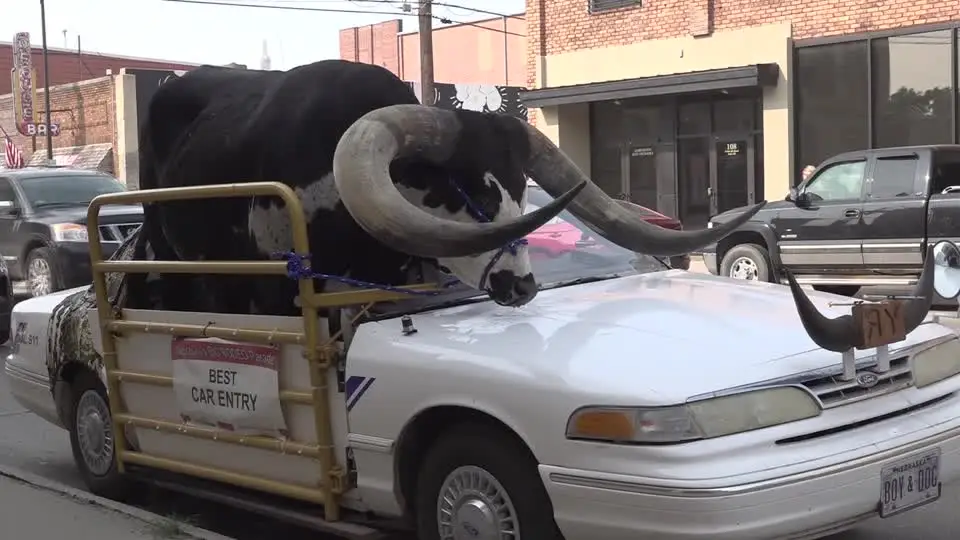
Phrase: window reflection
(831, 100)
(912, 89)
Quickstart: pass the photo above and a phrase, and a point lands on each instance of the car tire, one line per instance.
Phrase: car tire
(506, 482)
(42, 261)
(91, 438)
(745, 260)
(842, 290)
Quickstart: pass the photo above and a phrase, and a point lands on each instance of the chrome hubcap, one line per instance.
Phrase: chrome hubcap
(744, 268)
(95, 433)
(39, 277)
(474, 506)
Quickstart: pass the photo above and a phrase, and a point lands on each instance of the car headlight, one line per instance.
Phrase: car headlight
(702, 419)
(936, 363)
(710, 224)
(69, 232)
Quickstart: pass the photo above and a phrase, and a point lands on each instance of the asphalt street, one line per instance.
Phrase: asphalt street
(31, 444)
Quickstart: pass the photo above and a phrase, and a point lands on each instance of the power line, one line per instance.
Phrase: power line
(332, 10)
(402, 2)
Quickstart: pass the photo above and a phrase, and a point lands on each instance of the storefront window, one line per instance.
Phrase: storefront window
(912, 89)
(831, 99)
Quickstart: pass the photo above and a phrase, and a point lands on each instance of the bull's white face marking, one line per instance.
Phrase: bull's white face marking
(270, 226)
(470, 270)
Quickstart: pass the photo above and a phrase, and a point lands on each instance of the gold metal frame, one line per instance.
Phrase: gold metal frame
(319, 355)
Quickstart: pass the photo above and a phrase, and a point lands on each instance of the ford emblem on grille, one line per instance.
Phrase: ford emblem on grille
(866, 379)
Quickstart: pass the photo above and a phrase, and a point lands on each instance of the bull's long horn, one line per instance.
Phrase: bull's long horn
(361, 170)
(557, 174)
(842, 334)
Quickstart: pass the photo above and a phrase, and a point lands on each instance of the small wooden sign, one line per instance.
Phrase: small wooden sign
(879, 323)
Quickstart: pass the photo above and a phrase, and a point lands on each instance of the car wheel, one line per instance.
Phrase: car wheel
(842, 290)
(746, 261)
(42, 274)
(478, 482)
(91, 438)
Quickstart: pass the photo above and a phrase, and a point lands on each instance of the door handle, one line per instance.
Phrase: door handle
(851, 212)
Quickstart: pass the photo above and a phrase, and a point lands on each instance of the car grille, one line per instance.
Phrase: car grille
(834, 391)
(117, 232)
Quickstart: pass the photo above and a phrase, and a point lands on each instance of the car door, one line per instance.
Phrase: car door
(10, 210)
(824, 230)
(893, 212)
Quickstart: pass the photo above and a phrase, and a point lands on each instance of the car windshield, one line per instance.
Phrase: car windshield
(68, 190)
(563, 252)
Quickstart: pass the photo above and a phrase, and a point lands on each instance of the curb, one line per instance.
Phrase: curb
(187, 531)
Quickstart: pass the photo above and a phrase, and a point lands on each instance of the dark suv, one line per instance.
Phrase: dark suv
(43, 232)
(861, 219)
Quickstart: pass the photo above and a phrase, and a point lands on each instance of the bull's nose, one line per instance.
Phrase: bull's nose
(507, 289)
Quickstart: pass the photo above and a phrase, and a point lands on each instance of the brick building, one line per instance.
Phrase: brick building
(488, 51)
(697, 106)
(70, 66)
(87, 100)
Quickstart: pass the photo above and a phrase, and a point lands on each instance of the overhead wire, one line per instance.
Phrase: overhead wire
(338, 10)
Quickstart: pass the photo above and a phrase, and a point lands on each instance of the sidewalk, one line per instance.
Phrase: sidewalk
(29, 511)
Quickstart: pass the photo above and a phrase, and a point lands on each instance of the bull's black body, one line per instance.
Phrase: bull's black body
(219, 125)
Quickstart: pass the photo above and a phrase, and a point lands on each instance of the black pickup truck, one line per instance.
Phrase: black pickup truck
(860, 219)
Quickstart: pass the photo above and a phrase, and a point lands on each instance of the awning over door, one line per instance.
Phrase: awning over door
(757, 75)
(97, 157)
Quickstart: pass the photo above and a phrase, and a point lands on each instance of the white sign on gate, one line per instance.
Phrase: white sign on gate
(230, 385)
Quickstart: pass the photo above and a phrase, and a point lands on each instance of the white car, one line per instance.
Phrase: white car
(626, 402)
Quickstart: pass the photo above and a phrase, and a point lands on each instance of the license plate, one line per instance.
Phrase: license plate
(910, 482)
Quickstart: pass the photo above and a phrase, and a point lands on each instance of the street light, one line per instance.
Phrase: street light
(46, 79)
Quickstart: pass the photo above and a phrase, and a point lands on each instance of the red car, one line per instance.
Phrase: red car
(558, 236)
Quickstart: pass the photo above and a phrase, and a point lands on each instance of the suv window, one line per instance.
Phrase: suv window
(945, 171)
(893, 177)
(837, 182)
(6, 191)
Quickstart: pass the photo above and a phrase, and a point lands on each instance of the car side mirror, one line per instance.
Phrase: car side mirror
(7, 208)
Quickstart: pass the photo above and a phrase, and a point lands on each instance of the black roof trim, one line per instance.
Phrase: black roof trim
(756, 75)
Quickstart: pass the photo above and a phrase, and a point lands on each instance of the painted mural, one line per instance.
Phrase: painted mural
(473, 97)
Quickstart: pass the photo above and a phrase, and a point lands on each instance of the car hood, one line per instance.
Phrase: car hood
(659, 338)
(78, 214)
(771, 206)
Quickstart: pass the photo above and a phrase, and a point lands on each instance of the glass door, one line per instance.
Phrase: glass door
(731, 185)
(694, 179)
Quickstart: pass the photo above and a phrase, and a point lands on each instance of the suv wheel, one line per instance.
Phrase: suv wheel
(42, 274)
(746, 261)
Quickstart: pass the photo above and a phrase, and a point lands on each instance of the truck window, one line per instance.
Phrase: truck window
(837, 182)
(945, 171)
(894, 177)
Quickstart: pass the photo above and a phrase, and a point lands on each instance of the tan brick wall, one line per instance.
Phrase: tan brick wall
(557, 26)
(373, 44)
(84, 110)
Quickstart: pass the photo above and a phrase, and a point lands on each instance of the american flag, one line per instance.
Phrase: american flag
(13, 155)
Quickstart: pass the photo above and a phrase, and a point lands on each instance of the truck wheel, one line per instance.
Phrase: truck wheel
(746, 261)
(42, 274)
(480, 481)
(91, 438)
(842, 290)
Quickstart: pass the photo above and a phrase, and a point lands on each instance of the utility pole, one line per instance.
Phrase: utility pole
(425, 17)
(46, 79)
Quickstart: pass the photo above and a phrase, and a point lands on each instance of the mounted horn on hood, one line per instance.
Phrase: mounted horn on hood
(361, 170)
(557, 174)
(845, 332)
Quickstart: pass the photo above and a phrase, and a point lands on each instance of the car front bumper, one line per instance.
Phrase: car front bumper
(73, 261)
(710, 260)
(590, 505)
